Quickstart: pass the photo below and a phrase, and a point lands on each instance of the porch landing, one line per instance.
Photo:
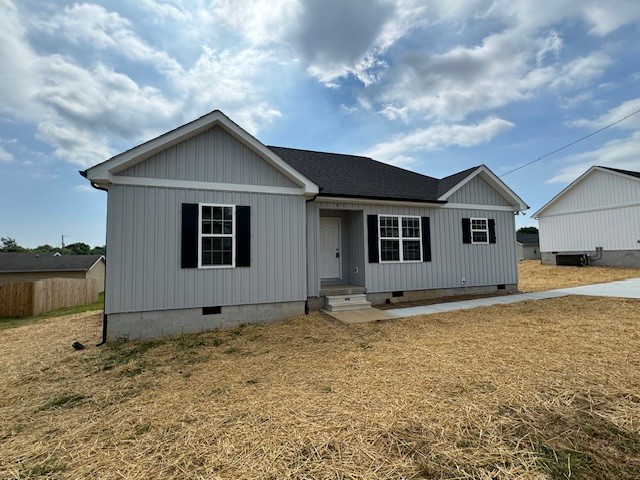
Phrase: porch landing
(363, 315)
(333, 289)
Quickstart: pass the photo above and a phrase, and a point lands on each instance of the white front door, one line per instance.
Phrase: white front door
(329, 260)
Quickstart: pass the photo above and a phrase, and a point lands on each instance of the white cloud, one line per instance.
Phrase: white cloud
(400, 148)
(82, 111)
(613, 115)
(175, 10)
(94, 25)
(622, 153)
(5, 156)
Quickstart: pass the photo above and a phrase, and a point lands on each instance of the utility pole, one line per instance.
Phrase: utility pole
(62, 237)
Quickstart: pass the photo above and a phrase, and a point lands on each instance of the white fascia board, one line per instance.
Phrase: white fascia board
(473, 206)
(566, 190)
(96, 262)
(196, 185)
(374, 201)
(497, 184)
(121, 162)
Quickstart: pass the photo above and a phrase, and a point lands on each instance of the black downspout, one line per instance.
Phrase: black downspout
(104, 315)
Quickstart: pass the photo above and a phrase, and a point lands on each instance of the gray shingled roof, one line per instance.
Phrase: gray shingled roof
(362, 177)
(45, 262)
(626, 172)
(528, 238)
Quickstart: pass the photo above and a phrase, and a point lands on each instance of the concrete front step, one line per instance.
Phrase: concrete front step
(341, 303)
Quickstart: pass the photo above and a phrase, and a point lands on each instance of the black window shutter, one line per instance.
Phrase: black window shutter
(243, 236)
(492, 230)
(466, 230)
(372, 237)
(426, 239)
(189, 258)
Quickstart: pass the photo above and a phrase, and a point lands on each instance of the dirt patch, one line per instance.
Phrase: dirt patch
(535, 277)
(545, 389)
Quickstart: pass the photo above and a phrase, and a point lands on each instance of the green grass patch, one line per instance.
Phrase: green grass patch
(44, 469)
(12, 322)
(122, 353)
(66, 400)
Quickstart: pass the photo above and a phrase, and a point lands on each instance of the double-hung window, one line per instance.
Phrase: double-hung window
(400, 238)
(217, 235)
(479, 230)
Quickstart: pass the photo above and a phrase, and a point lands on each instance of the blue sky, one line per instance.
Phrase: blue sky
(432, 86)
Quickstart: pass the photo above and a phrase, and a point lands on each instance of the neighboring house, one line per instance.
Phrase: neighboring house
(527, 246)
(596, 215)
(30, 266)
(206, 226)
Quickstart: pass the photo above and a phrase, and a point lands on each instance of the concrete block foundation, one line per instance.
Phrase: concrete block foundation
(162, 323)
(610, 258)
(380, 298)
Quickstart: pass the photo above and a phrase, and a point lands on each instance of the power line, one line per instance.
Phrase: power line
(572, 143)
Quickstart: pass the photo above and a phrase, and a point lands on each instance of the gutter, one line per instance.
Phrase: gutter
(93, 184)
(104, 315)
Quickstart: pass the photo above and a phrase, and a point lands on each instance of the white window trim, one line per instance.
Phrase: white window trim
(399, 238)
(213, 235)
(486, 230)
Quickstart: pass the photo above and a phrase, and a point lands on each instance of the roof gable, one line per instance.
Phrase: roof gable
(46, 262)
(456, 182)
(213, 155)
(589, 187)
(103, 173)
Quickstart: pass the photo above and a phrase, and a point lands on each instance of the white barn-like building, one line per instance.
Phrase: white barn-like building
(597, 215)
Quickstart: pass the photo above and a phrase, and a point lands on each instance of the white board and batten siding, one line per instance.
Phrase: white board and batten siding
(144, 232)
(602, 210)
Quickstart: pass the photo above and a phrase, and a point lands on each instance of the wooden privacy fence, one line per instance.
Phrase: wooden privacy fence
(33, 298)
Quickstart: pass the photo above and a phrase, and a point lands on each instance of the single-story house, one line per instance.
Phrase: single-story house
(31, 266)
(595, 220)
(527, 246)
(206, 227)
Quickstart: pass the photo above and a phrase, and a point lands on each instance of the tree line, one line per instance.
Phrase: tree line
(8, 244)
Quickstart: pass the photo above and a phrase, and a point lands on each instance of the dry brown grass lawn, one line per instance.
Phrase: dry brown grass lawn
(546, 389)
(535, 277)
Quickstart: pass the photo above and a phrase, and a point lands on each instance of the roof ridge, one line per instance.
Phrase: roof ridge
(356, 156)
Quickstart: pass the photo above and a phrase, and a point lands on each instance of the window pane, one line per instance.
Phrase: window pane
(410, 250)
(217, 227)
(411, 227)
(217, 251)
(479, 223)
(228, 213)
(206, 227)
(206, 213)
(390, 250)
(227, 227)
(389, 227)
(480, 237)
(217, 213)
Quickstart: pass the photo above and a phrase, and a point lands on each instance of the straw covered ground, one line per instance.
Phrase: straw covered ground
(546, 389)
(535, 277)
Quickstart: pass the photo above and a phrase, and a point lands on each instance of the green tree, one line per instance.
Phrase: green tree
(10, 245)
(78, 248)
(527, 230)
(44, 248)
(99, 250)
